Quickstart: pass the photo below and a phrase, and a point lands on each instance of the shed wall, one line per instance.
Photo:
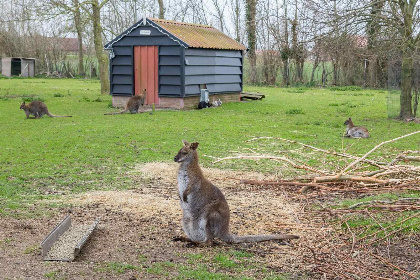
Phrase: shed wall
(6, 66)
(219, 70)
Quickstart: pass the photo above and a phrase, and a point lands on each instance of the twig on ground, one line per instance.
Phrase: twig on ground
(387, 262)
(382, 201)
(304, 166)
(374, 163)
(279, 183)
(339, 177)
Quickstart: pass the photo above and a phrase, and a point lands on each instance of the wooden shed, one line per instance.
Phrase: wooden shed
(18, 66)
(177, 63)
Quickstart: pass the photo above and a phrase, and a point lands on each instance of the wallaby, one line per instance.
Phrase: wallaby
(217, 103)
(205, 210)
(355, 131)
(37, 109)
(133, 104)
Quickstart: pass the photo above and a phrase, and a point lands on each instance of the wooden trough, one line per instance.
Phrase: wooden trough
(252, 95)
(65, 241)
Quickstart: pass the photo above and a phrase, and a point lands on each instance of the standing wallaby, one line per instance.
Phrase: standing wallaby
(205, 210)
(133, 104)
(37, 109)
(355, 131)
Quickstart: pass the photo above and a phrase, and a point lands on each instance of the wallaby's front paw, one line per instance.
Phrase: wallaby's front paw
(180, 238)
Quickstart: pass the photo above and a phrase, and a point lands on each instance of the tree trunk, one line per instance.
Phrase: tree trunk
(314, 67)
(161, 9)
(408, 47)
(406, 83)
(237, 14)
(100, 54)
(285, 52)
(251, 10)
(78, 25)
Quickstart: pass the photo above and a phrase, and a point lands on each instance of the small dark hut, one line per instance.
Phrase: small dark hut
(177, 63)
(18, 66)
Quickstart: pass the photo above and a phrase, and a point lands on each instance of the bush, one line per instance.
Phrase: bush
(294, 111)
(346, 88)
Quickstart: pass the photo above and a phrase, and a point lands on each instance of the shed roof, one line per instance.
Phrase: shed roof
(192, 35)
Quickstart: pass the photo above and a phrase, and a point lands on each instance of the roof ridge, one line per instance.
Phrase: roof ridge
(181, 23)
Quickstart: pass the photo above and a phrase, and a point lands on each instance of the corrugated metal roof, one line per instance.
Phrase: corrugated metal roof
(198, 35)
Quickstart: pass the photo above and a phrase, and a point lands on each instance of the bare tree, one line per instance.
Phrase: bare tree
(285, 50)
(251, 13)
(95, 13)
(161, 9)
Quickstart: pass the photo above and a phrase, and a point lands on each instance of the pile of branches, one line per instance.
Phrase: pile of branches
(334, 249)
(396, 171)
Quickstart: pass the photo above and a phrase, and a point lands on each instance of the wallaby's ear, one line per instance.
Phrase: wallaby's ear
(349, 119)
(194, 145)
(185, 143)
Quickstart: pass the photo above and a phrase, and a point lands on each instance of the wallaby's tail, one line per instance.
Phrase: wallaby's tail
(257, 238)
(117, 113)
(53, 116)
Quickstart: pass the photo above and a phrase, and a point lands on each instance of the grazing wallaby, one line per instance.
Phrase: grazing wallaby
(133, 104)
(217, 103)
(355, 131)
(205, 210)
(37, 109)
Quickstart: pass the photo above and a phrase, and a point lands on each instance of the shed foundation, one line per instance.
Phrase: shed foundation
(185, 103)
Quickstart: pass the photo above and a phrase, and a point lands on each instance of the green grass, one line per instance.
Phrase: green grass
(47, 157)
(366, 226)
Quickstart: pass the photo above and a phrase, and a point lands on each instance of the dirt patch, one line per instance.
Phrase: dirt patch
(134, 237)
(140, 224)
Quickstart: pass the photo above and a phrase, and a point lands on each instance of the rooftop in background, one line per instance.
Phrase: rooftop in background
(190, 34)
(66, 44)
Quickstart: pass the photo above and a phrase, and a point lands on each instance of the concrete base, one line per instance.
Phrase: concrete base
(185, 103)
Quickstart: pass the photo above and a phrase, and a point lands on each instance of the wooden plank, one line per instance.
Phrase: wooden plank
(219, 61)
(170, 60)
(212, 79)
(211, 70)
(252, 95)
(170, 50)
(206, 52)
(122, 51)
(213, 88)
(170, 70)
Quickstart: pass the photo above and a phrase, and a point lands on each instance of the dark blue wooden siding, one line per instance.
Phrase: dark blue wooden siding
(121, 72)
(170, 71)
(122, 65)
(219, 70)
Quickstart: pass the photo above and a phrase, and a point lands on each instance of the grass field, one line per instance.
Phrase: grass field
(43, 159)
(91, 150)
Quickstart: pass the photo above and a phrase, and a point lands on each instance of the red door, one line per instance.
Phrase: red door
(146, 72)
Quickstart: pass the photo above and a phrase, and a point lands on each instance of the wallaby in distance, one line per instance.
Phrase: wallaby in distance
(133, 104)
(355, 131)
(37, 109)
(205, 210)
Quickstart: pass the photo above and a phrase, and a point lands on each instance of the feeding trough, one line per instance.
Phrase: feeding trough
(65, 241)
